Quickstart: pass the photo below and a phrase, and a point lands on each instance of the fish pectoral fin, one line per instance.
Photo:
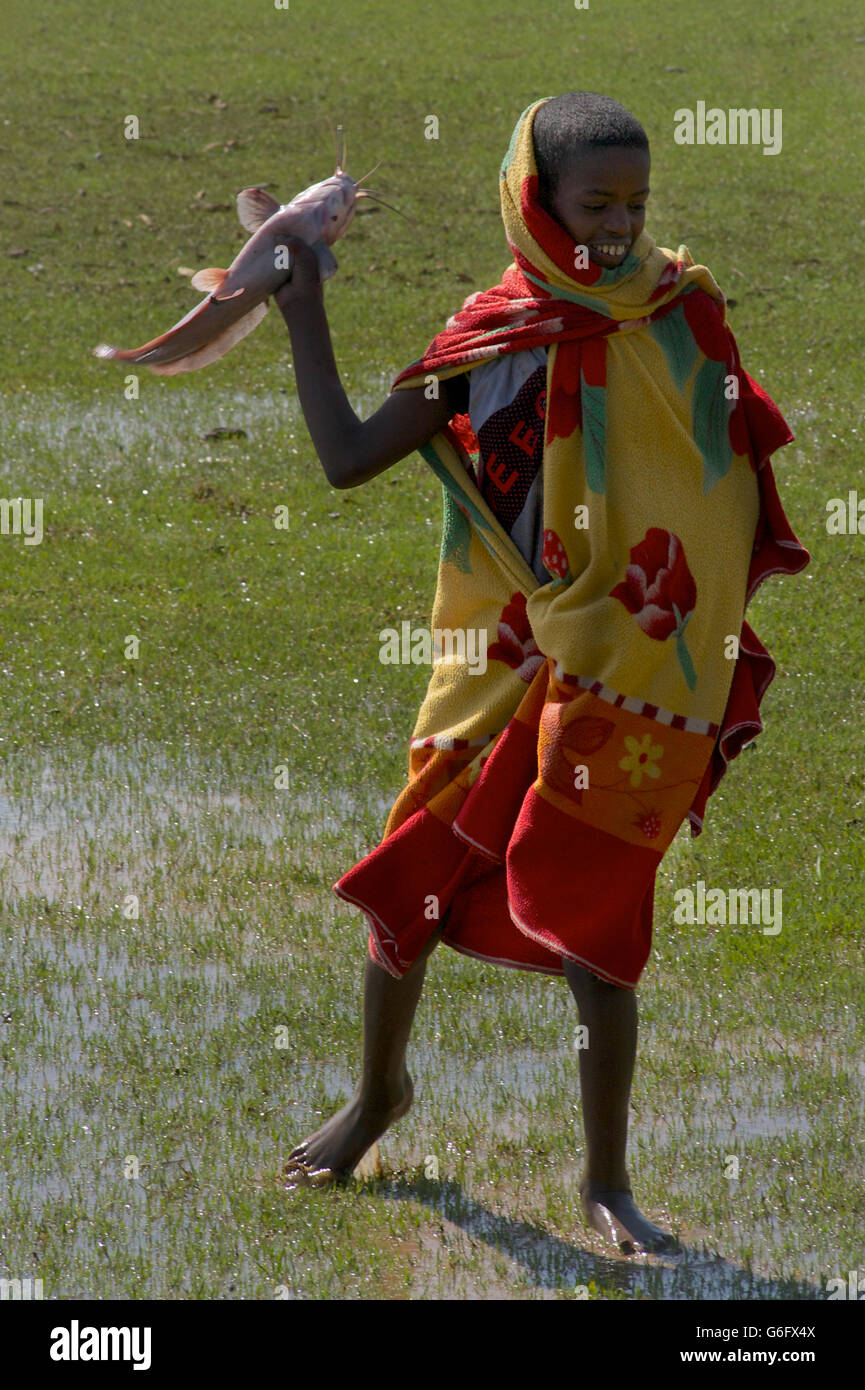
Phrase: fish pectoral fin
(208, 281)
(211, 280)
(254, 207)
(327, 263)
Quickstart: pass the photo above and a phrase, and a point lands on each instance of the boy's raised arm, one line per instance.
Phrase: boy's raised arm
(351, 450)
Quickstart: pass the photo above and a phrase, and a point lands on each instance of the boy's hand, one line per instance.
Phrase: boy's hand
(304, 279)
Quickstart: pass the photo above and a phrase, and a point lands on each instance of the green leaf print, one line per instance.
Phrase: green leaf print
(710, 413)
(677, 340)
(594, 408)
(456, 534)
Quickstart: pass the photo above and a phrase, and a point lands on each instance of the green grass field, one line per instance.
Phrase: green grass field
(146, 1103)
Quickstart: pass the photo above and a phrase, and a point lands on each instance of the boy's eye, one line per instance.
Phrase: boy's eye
(599, 207)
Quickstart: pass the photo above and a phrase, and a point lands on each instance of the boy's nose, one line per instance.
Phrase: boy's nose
(618, 223)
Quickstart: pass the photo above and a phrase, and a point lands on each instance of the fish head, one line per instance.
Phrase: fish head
(337, 207)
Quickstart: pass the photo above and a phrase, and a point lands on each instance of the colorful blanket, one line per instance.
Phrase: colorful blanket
(544, 789)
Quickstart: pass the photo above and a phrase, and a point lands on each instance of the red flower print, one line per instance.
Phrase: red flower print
(462, 428)
(554, 559)
(704, 319)
(563, 408)
(516, 645)
(659, 590)
(657, 581)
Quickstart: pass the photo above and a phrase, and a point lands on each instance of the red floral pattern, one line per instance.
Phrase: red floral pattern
(516, 645)
(704, 319)
(563, 410)
(714, 338)
(660, 592)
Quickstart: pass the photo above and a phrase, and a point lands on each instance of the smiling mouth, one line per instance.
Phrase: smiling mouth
(613, 250)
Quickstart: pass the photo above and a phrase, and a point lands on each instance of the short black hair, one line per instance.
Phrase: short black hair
(566, 127)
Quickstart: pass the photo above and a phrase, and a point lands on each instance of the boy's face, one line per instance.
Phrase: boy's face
(601, 201)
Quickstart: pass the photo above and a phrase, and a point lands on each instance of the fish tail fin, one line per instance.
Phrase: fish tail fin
(111, 354)
(211, 352)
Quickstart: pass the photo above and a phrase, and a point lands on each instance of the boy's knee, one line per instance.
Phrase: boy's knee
(583, 981)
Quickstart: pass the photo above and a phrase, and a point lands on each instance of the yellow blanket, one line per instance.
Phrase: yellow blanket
(558, 775)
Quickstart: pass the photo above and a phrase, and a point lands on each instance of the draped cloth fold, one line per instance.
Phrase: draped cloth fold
(545, 786)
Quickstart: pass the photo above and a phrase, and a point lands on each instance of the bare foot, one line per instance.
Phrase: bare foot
(332, 1153)
(616, 1216)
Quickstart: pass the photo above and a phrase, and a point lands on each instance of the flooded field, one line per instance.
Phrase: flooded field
(162, 929)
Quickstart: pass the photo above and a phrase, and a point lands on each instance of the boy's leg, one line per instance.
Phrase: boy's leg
(385, 1090)
(606, 1072)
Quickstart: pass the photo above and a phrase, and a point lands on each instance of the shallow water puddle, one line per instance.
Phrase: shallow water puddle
(122, 814)
(163, 429)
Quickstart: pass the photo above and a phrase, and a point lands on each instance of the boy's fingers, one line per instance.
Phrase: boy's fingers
(302, 274)
(302, 269)
(302, 254)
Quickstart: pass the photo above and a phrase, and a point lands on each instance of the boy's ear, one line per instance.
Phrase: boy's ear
(545, 201)
(545, 196)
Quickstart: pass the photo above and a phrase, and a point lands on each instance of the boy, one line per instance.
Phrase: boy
(606, 481)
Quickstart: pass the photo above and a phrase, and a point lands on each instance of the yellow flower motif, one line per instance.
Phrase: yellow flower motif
(641, 758)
